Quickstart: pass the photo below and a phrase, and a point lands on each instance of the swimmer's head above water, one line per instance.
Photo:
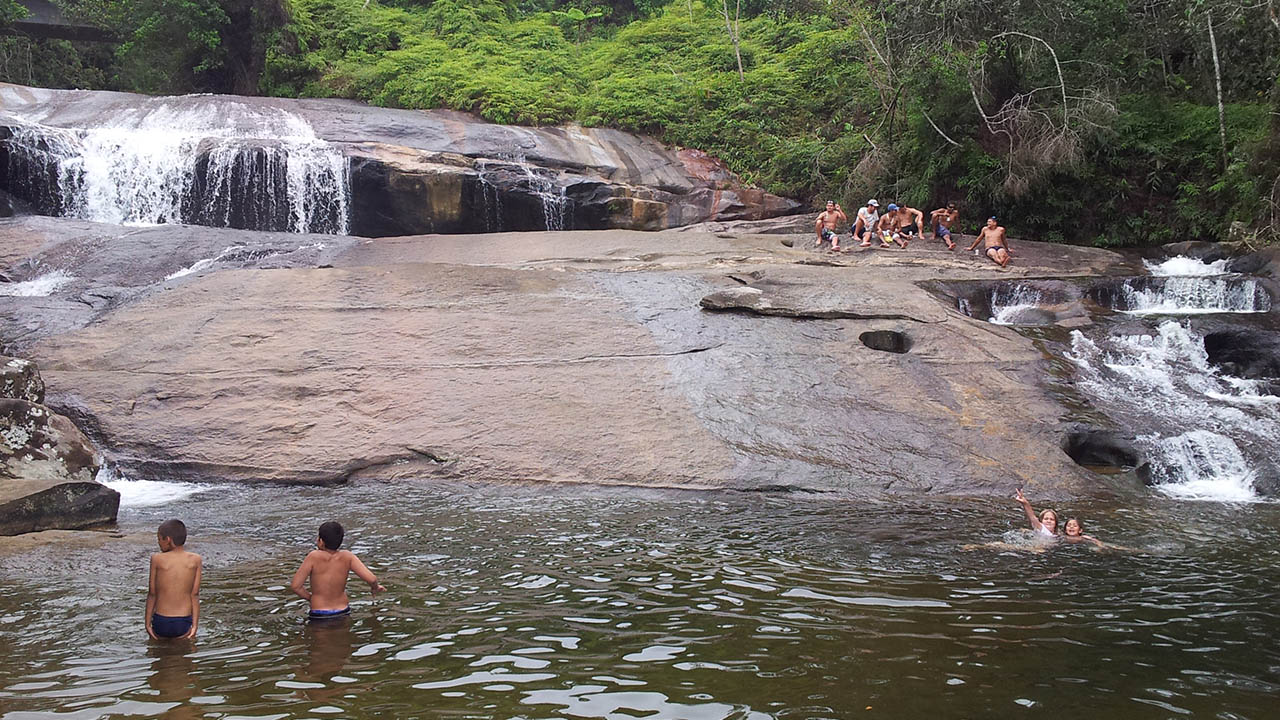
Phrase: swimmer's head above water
(1073, 528)
(1049, 519)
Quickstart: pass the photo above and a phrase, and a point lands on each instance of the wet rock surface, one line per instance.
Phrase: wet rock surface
(554, 357)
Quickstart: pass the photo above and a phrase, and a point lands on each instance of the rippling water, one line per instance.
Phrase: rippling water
(588, 603)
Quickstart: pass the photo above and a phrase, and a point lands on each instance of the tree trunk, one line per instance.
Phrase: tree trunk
(1217, 76)
(733, 32)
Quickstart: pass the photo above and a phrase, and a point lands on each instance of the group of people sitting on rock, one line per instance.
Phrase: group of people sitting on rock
(900, 224)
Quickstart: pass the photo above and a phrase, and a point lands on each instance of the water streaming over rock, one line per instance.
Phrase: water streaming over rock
(178, 163)
(1212, 432)
(1009, 303)
(512, 178)
(1192, 295)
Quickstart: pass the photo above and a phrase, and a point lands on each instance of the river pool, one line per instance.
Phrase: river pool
(524, 602)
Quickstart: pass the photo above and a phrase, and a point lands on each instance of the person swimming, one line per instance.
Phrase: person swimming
(1075, 533)
(1046, 523)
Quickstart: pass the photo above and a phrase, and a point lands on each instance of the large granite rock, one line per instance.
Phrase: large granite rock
(47, 469)
(411, 171)
(556, 357)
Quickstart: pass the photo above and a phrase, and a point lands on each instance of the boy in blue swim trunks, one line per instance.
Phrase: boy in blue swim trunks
(173, 587)
(327, 568)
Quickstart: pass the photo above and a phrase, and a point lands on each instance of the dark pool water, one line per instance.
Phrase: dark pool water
(590, 603)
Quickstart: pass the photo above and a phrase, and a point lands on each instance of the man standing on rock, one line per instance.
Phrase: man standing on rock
(826, 226)
(997, 245)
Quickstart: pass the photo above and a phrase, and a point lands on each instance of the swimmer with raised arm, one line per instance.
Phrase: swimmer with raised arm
(327, 568)
(1046, 523)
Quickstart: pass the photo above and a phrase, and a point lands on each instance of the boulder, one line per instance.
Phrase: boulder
(21, 380)
(47, 469)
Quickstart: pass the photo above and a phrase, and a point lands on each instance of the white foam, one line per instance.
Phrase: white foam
(147, 493)
(1183, 266)
(36, 287)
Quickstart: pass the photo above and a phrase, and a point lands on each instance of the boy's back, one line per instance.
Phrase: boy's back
(328, 571)
(327, 568)
(175, 577)
(173, 585)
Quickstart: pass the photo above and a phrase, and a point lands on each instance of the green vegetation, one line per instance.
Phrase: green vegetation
(1083, 120)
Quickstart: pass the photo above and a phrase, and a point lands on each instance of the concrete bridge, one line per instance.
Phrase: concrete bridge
(45, 20)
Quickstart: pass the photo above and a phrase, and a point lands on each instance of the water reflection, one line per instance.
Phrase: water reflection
(508, 603)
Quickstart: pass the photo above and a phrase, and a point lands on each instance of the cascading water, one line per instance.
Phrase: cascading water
(515, 177)
(555, 205)
(1204, 421)
(1194, 295)
(1183, 266)
(229, 166)
(1010, 302)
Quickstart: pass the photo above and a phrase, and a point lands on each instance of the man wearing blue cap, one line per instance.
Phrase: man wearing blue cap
(900, 224)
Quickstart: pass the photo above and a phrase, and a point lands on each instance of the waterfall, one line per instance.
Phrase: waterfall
(1201, 465)
(1193, 295)
(1008, 302)
(225, 166)
(1165, 382)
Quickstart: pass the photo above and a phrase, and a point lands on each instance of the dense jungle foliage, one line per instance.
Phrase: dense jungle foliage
(1104, 121)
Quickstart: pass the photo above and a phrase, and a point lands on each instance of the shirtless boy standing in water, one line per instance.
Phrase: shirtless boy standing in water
(327, 567)
(997, 245)
(173, 588)
(826, 225)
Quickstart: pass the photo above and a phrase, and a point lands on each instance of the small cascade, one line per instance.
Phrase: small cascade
(1009, 303)
(236, 167)
(40, 286)
(1201, 465)
(508, 185)
(555, 205)
(491, 198)
(1183, 266)
(147, 493)
(1165, 382)
(1192, 295)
